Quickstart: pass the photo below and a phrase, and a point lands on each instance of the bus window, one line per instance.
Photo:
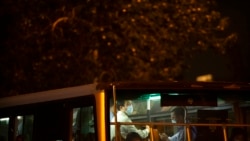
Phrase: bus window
(207, 114)
(4, 127)
(83, 124)
(24, 127)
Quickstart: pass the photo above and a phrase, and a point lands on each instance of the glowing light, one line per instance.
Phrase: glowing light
(173, 94)
(155, 96)
(19, 117)
(4, 119)
(103, 37)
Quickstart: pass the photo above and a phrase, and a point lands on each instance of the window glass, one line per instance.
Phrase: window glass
(207, 111)
(28, 127)
(19, 125)
(216, 109)
(83, 124)
(4, 127)
(24, 127)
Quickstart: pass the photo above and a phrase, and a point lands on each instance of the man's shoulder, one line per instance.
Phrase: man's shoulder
(122, 117)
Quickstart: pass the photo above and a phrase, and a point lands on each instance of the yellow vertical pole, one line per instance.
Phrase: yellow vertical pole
(188, 133)
(100, 111)
(225, 133)
(151, 134)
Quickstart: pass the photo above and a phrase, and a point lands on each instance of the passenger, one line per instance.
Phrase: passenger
(125, 108)
(178, 116)
(133, 136)
(238, 134)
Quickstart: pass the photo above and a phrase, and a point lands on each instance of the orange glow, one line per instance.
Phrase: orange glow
(100, 110)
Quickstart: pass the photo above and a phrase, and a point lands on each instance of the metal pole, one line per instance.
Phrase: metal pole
(188, 133)
(225, 133)
(186, 129)
(117, 127)
(148, 110)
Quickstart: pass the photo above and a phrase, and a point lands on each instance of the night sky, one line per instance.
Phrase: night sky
(235, 65)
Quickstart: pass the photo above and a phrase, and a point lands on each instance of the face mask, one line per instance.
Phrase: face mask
(173, 121)
(129, 110)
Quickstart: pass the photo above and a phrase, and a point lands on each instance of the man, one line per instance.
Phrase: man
(125, 108)
(178, 116)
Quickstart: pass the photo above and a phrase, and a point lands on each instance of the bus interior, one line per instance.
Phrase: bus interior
(216, 114)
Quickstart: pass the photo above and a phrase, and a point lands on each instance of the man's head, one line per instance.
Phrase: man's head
(178, 115)
(125, 106)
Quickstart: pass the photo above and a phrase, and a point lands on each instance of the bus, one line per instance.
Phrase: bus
(217, 111)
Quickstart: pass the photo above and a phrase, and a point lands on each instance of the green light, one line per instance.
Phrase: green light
(152, 96)
(155, 96)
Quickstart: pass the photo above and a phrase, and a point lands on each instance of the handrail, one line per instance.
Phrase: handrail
(181, 124)
(187, 127)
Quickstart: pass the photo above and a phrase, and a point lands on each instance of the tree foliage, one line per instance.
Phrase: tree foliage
(58, 43)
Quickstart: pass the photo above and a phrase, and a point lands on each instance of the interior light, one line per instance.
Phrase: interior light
(4, 119)
(155, 96)
(173, 94)
(19, 117)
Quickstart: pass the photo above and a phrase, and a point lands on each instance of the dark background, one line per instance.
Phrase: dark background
(235, 65)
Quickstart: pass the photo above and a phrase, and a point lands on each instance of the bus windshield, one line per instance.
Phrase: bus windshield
(180, 114)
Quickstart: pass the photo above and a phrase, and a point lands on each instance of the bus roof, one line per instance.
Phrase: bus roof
(83, 90)
(176, 85)
(45, 96)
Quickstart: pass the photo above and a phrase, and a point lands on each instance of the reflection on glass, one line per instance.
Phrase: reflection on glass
(19, 125)
(24, 127)
(4, 124)
(83, 124)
